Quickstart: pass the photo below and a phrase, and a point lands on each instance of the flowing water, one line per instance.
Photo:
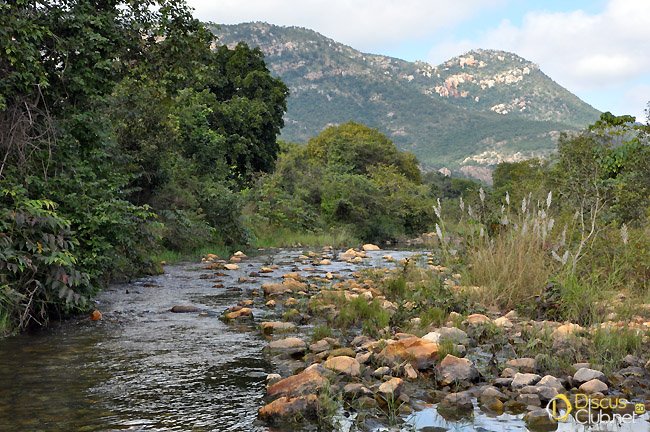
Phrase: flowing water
(144, 368)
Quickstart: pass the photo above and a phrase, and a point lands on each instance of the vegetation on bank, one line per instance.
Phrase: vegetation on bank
(127, 137)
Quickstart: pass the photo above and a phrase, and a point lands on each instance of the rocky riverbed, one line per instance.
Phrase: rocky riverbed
(308, 340)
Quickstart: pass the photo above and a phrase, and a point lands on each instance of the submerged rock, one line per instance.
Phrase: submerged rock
(539, 420)
(185, 309)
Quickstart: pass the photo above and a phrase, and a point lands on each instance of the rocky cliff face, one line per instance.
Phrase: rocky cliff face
(471, 111)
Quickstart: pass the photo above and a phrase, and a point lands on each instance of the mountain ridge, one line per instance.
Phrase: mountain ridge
(469, 112)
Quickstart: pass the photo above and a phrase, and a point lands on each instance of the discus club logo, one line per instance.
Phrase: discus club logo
(591, 411)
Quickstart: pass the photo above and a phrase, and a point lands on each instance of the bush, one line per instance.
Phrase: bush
(39, 272)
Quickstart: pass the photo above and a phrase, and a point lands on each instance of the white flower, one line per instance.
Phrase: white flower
(482, 233)
(481, 194)
(523, 205)
(438, 209)
(549, 199)
(624, 234)
(462, 204)
(507, 198)
(439, 232)
(469, 211)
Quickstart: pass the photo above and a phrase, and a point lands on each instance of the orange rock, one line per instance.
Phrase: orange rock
(421, 353)
(288, 408)
(306, 382)
(96, 315)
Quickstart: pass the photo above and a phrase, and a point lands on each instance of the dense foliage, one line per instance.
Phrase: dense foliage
(349, 177)
(123, 126)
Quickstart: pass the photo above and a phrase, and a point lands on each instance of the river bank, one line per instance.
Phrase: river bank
(299, 339)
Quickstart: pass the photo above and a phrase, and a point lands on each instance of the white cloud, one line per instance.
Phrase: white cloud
(368, 25)
(582, 51)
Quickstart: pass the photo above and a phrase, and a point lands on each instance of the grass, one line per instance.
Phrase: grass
(359, 311)
(282, 237)
(610, 346)
(321, 332)
(173, 257)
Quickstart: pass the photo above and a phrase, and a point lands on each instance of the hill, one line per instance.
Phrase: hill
(470, 112)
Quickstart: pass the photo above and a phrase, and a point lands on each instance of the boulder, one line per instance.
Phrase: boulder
(503, 322)
(584, 374)
(288, 285)
(551, 381)
(306, 382)
(565, 330)
(521, 380)
(370, 247)
(381, 371)
(348, 352)
(594, 386)
(410, 372)
(453, 334)
(343, 365)
(529, 399)
(270, 327)
(524, 364)
(544, 393)
(231, 266)
(456, 370)
(478, 319)
(290, 346)
(421, 353)
(391, 388)
(456, 402)
(285, 409)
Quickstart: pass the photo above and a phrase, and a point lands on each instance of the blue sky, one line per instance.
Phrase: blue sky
(599, 50)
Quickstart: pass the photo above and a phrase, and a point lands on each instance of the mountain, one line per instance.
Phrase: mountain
(466, 114)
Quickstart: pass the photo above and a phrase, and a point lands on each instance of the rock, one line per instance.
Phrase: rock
(240, 254)
(453, 334)
(502, 382)
(539, 420)
(529, 399)
(508, 373)
(524, 364)
(272, 378)
(348, 352)
(287, 286)
(594, 386)
(290, 302)
(421, 353)
(363, 358)
(491, 392)
(370, 247)
(503, 322)
(461, 401)
(360, 341)
(276, 327)
(478, 319)
(96, 315)
(410, 372)
(266, 270)
(290, 346)
(356, 390)
(524, 379)
(237, 313)
(381, 371)
(231, 266)
(292, 275)
(647, 366)
(306, 382)
(286, 408)
(270, 303)
(585, 374)
(551, 381)
(324, 262)
(185, 309)
(566, 330)
(320, 346)
(543, 392)
(343, 365)
(391, 388)
(453, 370)
(632, 361)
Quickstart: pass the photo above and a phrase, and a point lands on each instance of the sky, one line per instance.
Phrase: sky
(599, 49)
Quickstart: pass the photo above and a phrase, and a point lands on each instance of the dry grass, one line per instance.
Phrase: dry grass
(512, 268)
